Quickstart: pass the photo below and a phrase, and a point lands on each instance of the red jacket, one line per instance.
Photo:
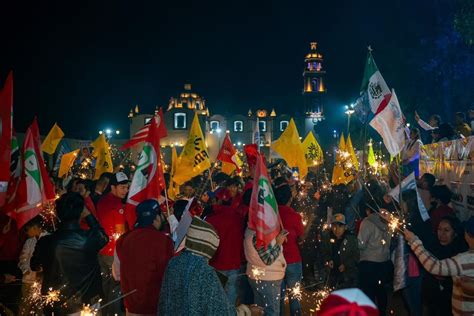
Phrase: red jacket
(112, 217)
(144, 254)
(230, 228)
(293, 223)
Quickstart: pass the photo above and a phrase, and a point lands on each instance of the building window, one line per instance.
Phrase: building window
(262, 126)
(315, 84)
(215, 125)
(283, 125)
(238, 126)
(147, 120)
(180, 120)
(184, 104)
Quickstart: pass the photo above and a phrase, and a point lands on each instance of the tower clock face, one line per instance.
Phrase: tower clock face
(261, 113)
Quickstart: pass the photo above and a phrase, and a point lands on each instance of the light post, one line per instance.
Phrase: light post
(349, 111)
(109, 132)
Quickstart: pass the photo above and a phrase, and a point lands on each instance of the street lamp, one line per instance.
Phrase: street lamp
(349, 111)
(109, 132)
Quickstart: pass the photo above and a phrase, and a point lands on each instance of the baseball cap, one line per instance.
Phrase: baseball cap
(339, 218)
(119, 178)
(469, 226)
(146, 212)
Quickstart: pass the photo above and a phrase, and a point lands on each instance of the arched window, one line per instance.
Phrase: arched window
(283, 125)
(238, 126)
(262, 126)
(215, 125)
(180, 121)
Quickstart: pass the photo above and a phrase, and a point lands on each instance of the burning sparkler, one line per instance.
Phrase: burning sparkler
(296, 292)
(51, 297)
(257, 272)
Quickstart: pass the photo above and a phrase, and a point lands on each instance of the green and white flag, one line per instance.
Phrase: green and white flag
(375, 86)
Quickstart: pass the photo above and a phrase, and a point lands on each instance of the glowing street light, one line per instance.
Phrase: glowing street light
(349, 111)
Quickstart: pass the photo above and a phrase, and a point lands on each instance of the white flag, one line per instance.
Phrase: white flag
(389, 124)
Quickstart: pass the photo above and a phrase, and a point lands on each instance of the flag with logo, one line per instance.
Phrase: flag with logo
(389, 123)
(229, 157)
(263, 210)
(63, 149)
(15, 174)
(374, 85)
(67, 160)
(103, 156)
(338, 176)
(52, 140)
(142, 134)
(194, 158)
(289, 147)
(6, 132)
(148, 181)
(312, 151)
(35, 188)
(351, 151)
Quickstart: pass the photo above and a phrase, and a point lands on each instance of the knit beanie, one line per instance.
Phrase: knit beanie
(201, 238)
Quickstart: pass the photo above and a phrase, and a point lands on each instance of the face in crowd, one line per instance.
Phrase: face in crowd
(120, 190)
(446, 233)
(338, 229)
(188, 191)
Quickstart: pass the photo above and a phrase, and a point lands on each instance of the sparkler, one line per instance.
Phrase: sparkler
(296, 292)
(51, 297)
(257, 273)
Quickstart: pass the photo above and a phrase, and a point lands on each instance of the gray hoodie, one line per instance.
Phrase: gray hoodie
(374, 239)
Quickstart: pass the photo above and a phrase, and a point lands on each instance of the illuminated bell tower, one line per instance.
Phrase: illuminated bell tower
(314, 86)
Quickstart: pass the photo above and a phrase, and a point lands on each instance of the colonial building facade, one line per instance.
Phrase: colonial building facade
(240, 126)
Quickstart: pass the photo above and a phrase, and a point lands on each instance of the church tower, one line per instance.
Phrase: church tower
(314, 86)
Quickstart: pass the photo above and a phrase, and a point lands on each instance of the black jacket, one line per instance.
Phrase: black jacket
(68, 258)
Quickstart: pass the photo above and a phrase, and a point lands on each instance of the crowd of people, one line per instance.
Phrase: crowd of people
(197, 256)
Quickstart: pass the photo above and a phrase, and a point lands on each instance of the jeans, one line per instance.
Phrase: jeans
(267, 295)
(245, 291)
(412, 295)
(373, 280)
(232, 285)
(293, 275)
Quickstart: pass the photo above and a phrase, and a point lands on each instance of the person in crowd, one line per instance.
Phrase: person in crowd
(192, 287)
(84, 188)
(462, 128)
(460, 268)
(411, 153)
(351, 210)
(437, 290)
(100, 187)
(188, 190)
(34, 230)
(348, 302)
(433, 123)
(412, 292)
(72, 185)
(265, 270)
(427, 181)
(233, 186)
(68, 257)
(293, 224)
(444, 133)
(140, 259)
(375, 266)
(229, 225)
(440, 199)
(340, 253)
(115, 221)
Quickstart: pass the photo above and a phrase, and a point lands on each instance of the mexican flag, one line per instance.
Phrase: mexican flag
(375, 86)
(35, 188)
(263, 212)
(148, 180)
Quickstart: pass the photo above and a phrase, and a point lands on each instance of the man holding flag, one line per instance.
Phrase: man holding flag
(263, 243)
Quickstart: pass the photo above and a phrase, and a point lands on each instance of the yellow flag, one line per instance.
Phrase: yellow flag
(228, 168)
(102, 154)
(67, 161)
(350, 150)
(312, 151)
(194, 158)
(338, 172)
(289, 147)
(173, 189)
(52, 139)
(371, 155)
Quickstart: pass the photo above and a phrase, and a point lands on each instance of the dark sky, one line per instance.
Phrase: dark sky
(85, 66)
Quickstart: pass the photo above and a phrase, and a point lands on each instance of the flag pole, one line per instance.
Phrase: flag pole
(166, 199)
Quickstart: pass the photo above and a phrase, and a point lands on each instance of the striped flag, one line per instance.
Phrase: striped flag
(142, 133)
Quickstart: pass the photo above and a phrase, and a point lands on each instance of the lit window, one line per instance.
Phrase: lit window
(283, 125)
(215, 125)
(238, 126)
(180, 120)
(262, 126)
(147, 120)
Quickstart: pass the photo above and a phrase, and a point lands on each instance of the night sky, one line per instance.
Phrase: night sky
(85, 66)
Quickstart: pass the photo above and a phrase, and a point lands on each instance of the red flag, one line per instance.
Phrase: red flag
(263, 210)
(148, 180)
(6, 122)
(142, 133)
(35, 188)
(251, 151)
(228, 153)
